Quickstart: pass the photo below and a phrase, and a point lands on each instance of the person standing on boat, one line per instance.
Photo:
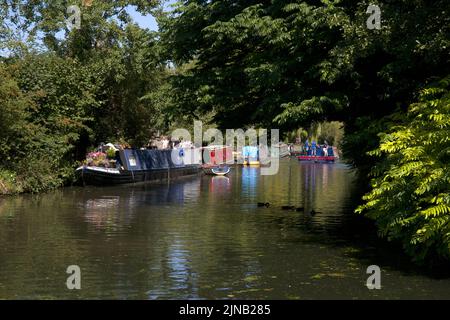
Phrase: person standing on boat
(165, 143)
(314, 148)
(325, 150)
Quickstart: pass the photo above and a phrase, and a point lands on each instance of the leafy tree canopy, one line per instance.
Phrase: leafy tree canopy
(290, 62)
(410, 199)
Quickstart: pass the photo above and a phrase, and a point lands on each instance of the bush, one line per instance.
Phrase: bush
(36, 151)
(8, 182)
(410, 197)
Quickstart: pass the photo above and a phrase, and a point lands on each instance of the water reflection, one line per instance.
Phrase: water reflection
(219, 185)
(250, 177)
(116, 208)
(202, 237)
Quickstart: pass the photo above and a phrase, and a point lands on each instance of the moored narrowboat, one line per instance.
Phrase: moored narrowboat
(317, 153)
(251, 156)
(216, 170)
(317, 158)
(136, 166)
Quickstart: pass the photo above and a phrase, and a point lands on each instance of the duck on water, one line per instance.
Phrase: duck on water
(298, 209)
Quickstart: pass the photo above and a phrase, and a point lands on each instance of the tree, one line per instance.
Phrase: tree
(122, 61)
(410, 197)
(65, 96)
(293, 63)
(33, 156)
(289, 63)
(82, 86)
(13, 117)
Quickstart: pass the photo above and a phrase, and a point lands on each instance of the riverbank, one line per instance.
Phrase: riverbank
(35, 180)
(9, 184)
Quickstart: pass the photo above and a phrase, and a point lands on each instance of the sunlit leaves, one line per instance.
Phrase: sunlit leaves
(410, 199)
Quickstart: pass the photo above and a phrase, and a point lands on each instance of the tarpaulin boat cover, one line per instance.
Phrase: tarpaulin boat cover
(250, 152)
(133, 159)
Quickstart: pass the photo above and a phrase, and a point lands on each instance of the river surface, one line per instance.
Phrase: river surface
(204, 237)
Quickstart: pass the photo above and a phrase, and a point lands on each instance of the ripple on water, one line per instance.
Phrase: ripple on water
(203, 238)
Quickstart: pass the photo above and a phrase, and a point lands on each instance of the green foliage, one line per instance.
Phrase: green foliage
(410, 197)
(118, 60)
(13, 116)
(64, 93)
(132, 83)
(236, 63)
(111, 154)
(35, 149)
(291, 63)
(8, 182)
(330, 132)
(96, 84)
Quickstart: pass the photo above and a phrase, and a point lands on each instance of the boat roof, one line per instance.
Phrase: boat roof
(216, 147)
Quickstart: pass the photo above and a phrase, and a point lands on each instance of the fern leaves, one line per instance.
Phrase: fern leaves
(410, 197)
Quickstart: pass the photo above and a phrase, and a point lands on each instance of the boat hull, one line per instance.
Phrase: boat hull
(317, 158)
(254, 163)
(214, 171)
(105, 177)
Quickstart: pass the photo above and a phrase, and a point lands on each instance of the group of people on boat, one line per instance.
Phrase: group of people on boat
(166, 142)
(315, 149)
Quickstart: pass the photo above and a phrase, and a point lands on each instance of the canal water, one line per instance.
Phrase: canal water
(204, 237)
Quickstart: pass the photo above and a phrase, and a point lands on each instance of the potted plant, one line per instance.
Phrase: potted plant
(111, 155)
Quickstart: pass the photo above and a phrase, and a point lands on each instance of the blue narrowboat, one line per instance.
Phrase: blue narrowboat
(137, 166)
